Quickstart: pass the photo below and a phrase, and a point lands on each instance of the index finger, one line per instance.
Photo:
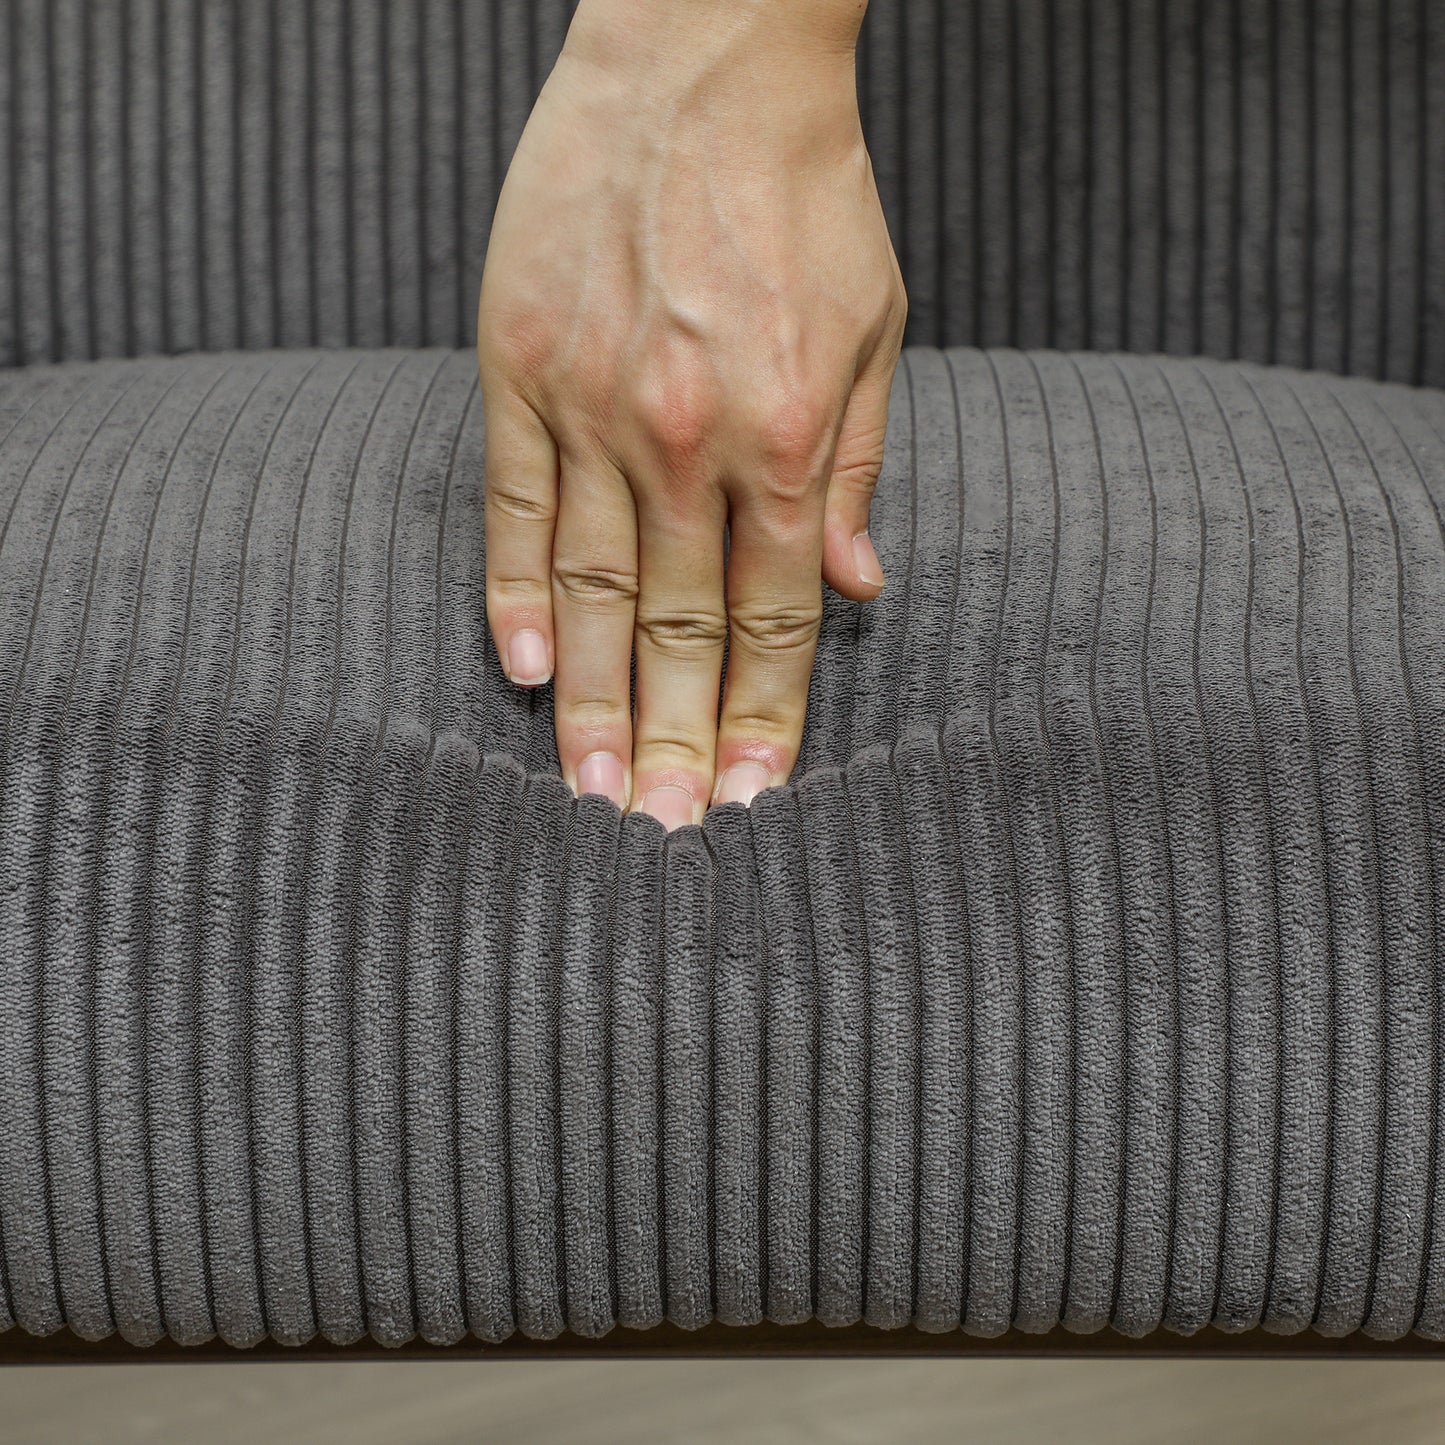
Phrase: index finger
(520, 482)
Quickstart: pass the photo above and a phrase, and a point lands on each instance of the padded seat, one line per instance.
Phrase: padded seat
(1086, 970)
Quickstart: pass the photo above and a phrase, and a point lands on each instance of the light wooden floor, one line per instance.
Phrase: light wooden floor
(763, 1402)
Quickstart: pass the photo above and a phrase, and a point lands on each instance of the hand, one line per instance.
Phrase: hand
(689, 320)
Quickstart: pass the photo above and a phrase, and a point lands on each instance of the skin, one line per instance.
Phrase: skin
(690, 317)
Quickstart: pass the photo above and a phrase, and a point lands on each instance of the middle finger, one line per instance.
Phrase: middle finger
(680, 633)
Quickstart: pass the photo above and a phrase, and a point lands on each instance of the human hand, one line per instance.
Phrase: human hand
(690, 317)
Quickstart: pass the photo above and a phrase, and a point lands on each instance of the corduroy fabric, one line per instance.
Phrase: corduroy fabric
(1086, 971)
(1227, 177)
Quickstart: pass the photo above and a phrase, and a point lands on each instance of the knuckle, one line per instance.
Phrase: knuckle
(683, 633)
(777, 629)
(518, 505)
(671, 750)
(679, 416)
(529, 592)
(515, 334)
(595, 586)
(772, 737)
(859, 475)
(787, 487)
(589, 718)
(789, 432)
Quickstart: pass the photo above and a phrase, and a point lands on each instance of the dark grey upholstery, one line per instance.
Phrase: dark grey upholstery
(1088, 970)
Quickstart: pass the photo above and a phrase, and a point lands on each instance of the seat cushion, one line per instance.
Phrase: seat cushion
(1088, 969)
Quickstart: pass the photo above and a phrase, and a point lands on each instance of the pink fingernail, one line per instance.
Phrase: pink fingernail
(527, 658)
(602, 773)
(741, 783)
(672, 807)
(865, 559)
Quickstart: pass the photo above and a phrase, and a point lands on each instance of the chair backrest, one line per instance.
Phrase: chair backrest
(1252, 178)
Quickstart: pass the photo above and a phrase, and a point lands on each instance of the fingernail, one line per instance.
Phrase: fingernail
(602, 773)
(670, 806)
(741, 783)
(865, 559)
(527, 658)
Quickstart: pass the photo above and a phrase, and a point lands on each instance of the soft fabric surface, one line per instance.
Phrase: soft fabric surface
(1088, 970)
(1232, 177)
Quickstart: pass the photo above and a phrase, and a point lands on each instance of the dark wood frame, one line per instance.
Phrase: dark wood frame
(810, 1340)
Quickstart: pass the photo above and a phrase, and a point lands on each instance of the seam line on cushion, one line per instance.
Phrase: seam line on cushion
(916, 982)
(608, 1121)
(714, 875)
(1116, 866)
(912, 956)
(806, 888)
(1316, 774)
(10, 431)
(87, 962)
(965, 1029)
(959, 531)
(1406, 678)
(30, 467)
(1432, 1165)
(169, 726)
(39, 1014)
(208, 860)
(1015, 891)
(1204, 373)
(764, 1113)
(1372, 812)
(249, 907)
(456, 930)
(350, 973)
(1071, 991)
(442, 517)
(1277, 960)
(865, 1096)
(387, 707)
(966, 972)
(1162, 794)
(1213, 823)
(146, 851)
(416, 812)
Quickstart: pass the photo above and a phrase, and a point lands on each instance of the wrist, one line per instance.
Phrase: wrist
(749, 31)
(754, 69)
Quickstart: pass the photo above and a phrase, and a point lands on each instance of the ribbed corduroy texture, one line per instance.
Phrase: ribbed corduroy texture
(1089, 969)
(1253, 178)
